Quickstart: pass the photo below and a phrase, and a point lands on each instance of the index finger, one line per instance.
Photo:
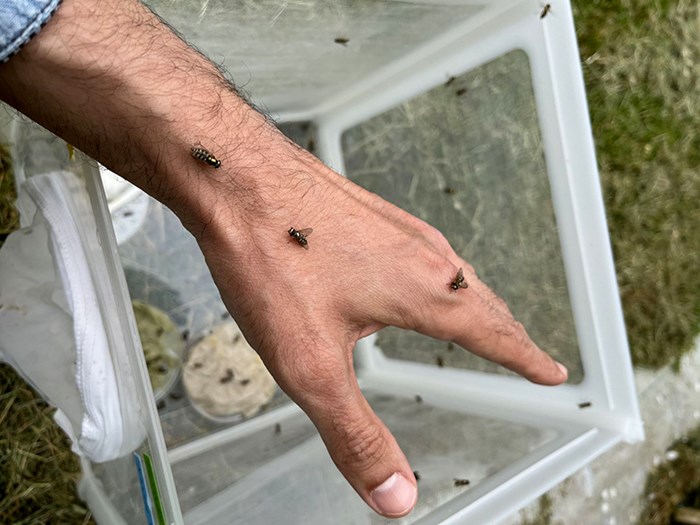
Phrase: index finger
(478, 320)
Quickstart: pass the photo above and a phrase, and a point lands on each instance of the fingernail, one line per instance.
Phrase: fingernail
(563, 370)
(395, 497)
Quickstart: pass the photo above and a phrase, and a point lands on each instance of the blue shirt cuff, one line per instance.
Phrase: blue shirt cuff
(20, 20)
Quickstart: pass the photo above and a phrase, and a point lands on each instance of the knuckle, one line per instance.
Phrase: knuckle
(522, 339)
(519, 353)
(441, 241)
(511, 329)
(469, 271)
(438, 271)
(503, 330)
(436, 261)
(362, 446)
(433, 236)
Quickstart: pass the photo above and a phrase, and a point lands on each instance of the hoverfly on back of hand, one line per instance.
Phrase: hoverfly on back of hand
(300, 236)
(459, 282)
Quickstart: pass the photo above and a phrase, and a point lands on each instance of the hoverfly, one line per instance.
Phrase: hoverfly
(199, 152)
(300, 236)
(459, 282)
(461, 482)
(228, 377)
(545, 10)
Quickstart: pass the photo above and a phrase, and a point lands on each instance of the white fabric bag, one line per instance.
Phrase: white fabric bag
(51, 322)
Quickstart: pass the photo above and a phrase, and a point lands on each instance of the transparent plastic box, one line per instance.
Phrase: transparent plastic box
(469, 114)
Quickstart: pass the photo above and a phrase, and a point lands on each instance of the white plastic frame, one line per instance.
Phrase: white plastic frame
(501, 26)
(608, 383)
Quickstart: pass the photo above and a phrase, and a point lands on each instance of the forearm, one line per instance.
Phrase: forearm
(111, 79)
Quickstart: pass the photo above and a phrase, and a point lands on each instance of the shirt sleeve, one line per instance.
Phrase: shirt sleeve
(20, 20)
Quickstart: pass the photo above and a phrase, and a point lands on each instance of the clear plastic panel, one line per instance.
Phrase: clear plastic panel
(119, 481)
(36, 151)
(202, 475)
(301, 484)
(165, 268)
(291, 54)
(445, 447)
(467, 157)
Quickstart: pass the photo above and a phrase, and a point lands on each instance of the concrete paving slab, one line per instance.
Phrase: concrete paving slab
(609, 491)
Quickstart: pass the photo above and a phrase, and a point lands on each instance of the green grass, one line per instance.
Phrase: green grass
(642, 65)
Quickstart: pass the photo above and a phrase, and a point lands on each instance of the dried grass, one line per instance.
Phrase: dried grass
(9, 218)
(38, 471)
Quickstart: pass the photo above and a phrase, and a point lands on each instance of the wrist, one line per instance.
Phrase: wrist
(116, 83)
(265, 185)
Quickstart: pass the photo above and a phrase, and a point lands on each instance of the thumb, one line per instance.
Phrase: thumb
(361, 446)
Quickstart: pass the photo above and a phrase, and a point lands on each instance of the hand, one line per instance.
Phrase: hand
(368, 265)
(112, 80)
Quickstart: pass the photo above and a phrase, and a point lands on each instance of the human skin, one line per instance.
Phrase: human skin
(110, 78)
